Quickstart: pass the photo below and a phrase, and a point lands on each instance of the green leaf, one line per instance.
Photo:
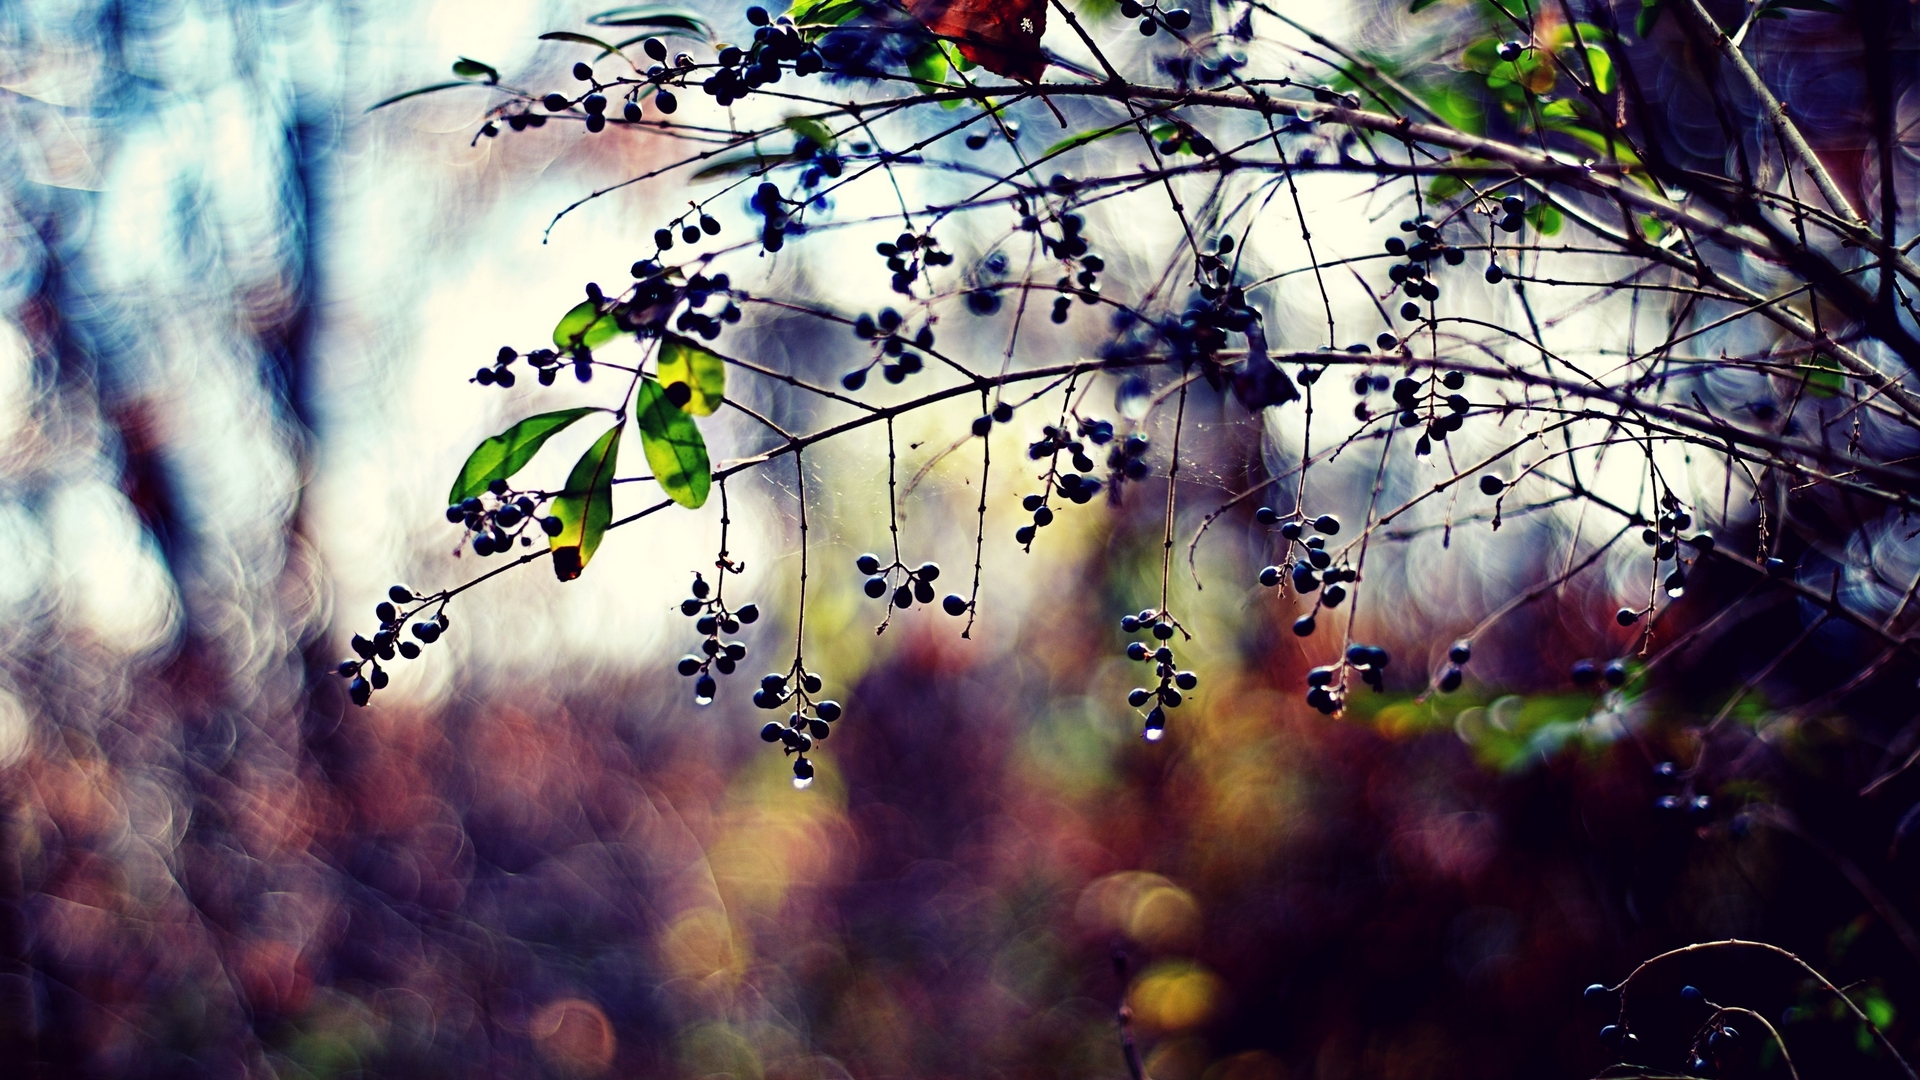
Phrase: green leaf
(1603, 79)
(824, 12)
(416, 93)
(703, 373)
(507, 453)
(585, 509)
(585, 325)
(740, 165)
(1545, 218)
(667, 18)
(928, 64)
(675, 451)
(579, 39)
(1081, 139)
(812, 130)
(1419, 6)
(1824, 378)
(1444, 187)
(1650, 11)
(474, 69)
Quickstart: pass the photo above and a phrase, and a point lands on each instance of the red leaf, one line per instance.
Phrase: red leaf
(1002, 36)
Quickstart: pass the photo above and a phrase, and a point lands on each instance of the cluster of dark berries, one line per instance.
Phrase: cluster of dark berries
(1001, 413)
(1450, 676)
(1071, 247)
(1055, 440)
(896, 360)
(916, 587)
(1216, 270)
(1326, 690)
(366, 673)
(1416, 400)
(978, 140)
(1167, 695)
(519, 121)
(905, 256)
(1617, 1040)
(808, 723)
(1202, 329)
(546, 365)
(1665, 540)
(1127, 460)
(494, 527)
(712, 619)
(692, 320)
(691, 230)
(1695, 806)
(740, 71)
(772, 206)
(1308, 563)
(1513, 211)
(1415, 275)
(1152, 17)
(594, 103)
(1586, 674)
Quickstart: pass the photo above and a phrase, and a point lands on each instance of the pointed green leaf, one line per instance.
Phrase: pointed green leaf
(928, 64)
(585, 325)
(1603, 80)
(474, 69)
(812, 130)
(1649, 14)
(703, 374)
(675, 451)
(585, 509)
(748, 165)
(507, 453)
(1419, 6)
(824, 12)
(1081, 139)
(667, 18)
(383, 103)
(578, 39)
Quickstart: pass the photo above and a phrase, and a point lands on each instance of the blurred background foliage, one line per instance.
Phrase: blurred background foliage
(237, 316)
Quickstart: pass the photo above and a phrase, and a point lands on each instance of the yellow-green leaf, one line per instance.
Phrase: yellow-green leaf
(812, 130)
(585, 509)
(703, 374)
(1603, 80)
(675, 451)
(585, 325)
(507, 453)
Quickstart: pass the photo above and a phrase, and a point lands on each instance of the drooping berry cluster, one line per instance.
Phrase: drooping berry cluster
(906, 254)
(776, 43)
(1152, 17)
(1072, 248)
(1665, 540)
(1311, 567)
(707, 607)
(494, 522)
(1327, 684)
(1418, 399)
(1172, 683)
(1458, 654)
(916, 584)
(809, 722)
(1683, 801)
(365, 674)
(773, 208)
(1078, 488)
(890, 348)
